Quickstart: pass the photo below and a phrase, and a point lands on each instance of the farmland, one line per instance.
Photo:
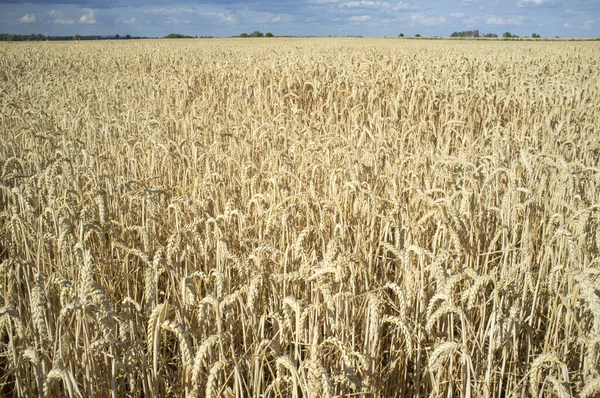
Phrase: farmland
(299, 217)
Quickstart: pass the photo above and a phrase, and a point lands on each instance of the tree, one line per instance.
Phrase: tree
(466, 33)
(401, 35)
(128, 37)
(77, 37)
(117, 36)
(268, 34)
(256, 33)
(177, 36)
(417, 35)
(535, 36)
(244, 35)
(507, 35)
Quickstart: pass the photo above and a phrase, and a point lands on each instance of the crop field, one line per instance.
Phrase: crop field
(300, 218)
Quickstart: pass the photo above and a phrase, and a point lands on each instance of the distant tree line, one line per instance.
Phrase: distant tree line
(472, 33)
(31, 37)
(466, 33)
(508, 35)
(257, 33)
(475, 33)
(40, 37)
(179, 36)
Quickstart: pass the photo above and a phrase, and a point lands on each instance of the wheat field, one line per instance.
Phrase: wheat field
(300, 218)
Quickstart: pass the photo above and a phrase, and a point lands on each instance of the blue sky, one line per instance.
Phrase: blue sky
(576, 18)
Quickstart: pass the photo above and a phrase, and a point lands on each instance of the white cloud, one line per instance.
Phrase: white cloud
(365, 4)
(568, 25)
(471, 21)
(168, 11)
(537, 3)
(571, 11)
(27, 18)
(403, 5)
(427, 20)
(67, 18)
(129, 21)
(88, 17)
(588, 24)
(500, 21)
(468, 2)
(227, 18)
(64, 21)
(269, 17)
(60, 19)
(176, 21)
(223, 17)
(360, 18)
(323, 1)
(281, 18)
(457, 15)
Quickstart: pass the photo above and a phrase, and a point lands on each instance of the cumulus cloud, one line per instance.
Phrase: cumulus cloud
(427, 20)
(64, 21)
(281, 18)
(360, 18)
(223, 17)
(129, 21)
(500, 21)
(365, 4)
(27, 18)
(571, 11)
(468, 2)
(61, 19)
(69, 18)
(269, 17)
(568, 25)
(538, 3)
(227, 18)
(457, 15)
(471, 21)
(169, 11)
(88, 17)
(402, 5)
(176, 21)
(588, 24)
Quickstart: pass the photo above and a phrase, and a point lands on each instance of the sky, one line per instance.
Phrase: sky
(222, 18)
